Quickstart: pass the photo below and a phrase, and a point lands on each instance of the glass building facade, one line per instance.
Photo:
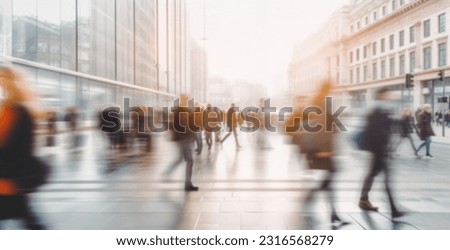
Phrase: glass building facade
(93, 53)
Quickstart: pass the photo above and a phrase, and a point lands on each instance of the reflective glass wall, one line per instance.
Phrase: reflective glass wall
(88, 51)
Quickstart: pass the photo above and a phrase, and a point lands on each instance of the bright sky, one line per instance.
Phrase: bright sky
(253, 39)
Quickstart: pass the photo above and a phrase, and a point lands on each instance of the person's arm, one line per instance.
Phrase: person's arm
(7, 120)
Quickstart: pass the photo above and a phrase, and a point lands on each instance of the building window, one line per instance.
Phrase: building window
(382, 45)
(351, 57)
(426, 28)
(392, 67)
(401, 38)
(442, 54)
(365, 73)
(394, 5)
(402, 2)
(365, 52)
(357, 55)
(383, 69)
(427, 58)
(351, 29)
(359, 25)
(367, 20)
(383, 10)
(391, 42)
(401, 70)
(357, 75)
(374, 71)
(412, 34)
(412, 61)
(374, 48)
(351, 76)
(441, 23)
(375, 16)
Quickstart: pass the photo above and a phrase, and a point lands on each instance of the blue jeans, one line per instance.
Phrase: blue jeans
(427, 144)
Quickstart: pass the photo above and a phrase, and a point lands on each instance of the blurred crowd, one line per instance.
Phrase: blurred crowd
(310, 126)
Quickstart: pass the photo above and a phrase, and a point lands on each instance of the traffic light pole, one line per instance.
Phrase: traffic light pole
(443, 104)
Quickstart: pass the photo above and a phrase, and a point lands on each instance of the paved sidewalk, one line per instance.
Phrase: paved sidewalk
(239, 189)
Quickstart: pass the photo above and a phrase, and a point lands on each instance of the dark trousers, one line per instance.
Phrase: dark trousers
(199, 141)
(411, 141)
(325, 186)
(208, 139)
(379, 164)
(185, 152)
(17, 207)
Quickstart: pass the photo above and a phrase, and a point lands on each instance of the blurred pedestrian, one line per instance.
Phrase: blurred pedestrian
(183, 133)
(233, 119)
(425, 130)
(71, 118)
(378, 138)
(211, 119)
(51, 118)
(318, 147)
(407, 127)
(198, 113)
(447, 119)
(20, 171)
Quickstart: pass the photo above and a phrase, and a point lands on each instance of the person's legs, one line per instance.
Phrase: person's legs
(428, 145)
(412, 143)
(424, 143)
(236, 137)
(177, 161)
(187, 154)
(199, 140)
(368, 182)
(208, 139)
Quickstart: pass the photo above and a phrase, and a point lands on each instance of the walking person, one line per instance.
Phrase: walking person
(447, 119)
(377, 137)
(318, 146)
(198, 112)
(20, 171)
(71, 118)
(233, 118)
(183, 133)
(425, 130)
(407, 127)
(211, 119)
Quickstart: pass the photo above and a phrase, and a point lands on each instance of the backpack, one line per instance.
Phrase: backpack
(360, 139)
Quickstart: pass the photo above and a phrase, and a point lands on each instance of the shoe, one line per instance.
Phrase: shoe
(398, 214)
(336, 220)
(429, 157)
(366, 205)
(190, 188)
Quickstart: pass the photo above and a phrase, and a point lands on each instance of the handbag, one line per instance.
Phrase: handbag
(319, 163)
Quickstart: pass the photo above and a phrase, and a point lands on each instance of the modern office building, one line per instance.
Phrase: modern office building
(369, 44)
(92, 53)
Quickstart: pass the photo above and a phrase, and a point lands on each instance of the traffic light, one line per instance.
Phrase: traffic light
(409, 80)
(441, 75)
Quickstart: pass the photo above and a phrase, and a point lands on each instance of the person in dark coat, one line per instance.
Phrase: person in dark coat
(183, 130)
(406, 128)
(20, 171)
(425, 130)
(378, 135)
